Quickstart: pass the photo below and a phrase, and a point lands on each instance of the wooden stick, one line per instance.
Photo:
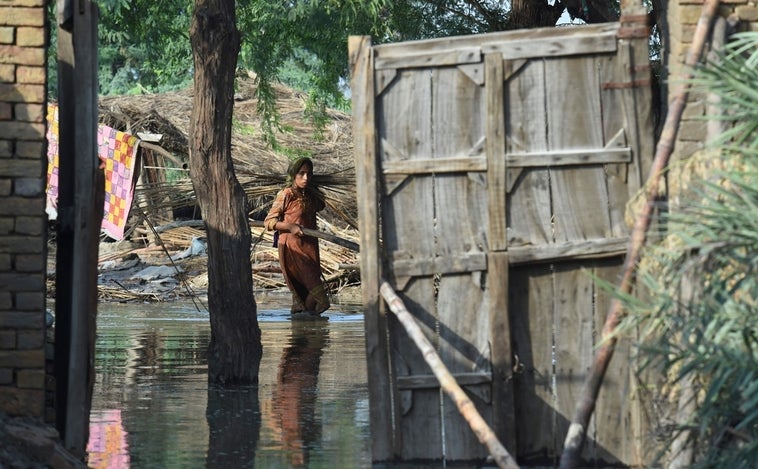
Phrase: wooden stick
(447, 382)
(576, 435)
(315, 233)
(320, 234)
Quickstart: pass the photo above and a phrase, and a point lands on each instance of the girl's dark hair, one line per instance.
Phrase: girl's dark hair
(295, 168)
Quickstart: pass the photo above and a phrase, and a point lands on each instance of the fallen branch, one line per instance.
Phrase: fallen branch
(447, 382)
(576, 435)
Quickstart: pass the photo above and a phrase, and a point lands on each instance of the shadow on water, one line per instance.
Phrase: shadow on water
(152, 406)
(234, 425)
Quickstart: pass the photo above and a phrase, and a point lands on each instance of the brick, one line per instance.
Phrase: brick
(21, 205)
(694, 109)
(20, 93)
(23, 130)
(31, 75)
(21, 168)
(6, 301)
(30, 263)
(7, 73)
(22, 55)
(7, 339)
(6, 148)
(22, 320)
(22, 358)
(26, 36)
(6, 376)
(30, 301)
(29, 187)
(14, 16)
(19, 245)
(30, 379)
(5, 264)
(6, 225)
(21, 282)
(6, 111)
(30, 112)
(32, 149)
(747, 13)
(692, 130)
(687, 148)
(7, 35)
(31, 340)
(26, 402)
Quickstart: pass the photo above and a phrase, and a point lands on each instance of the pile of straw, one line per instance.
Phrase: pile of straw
(260, 169)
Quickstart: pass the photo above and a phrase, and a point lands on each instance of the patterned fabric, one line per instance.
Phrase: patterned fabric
(118, 152)
(52, 162)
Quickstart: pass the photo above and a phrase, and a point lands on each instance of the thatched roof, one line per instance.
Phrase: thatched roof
(260, 168)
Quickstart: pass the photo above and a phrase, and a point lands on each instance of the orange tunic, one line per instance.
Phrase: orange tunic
(299, 256)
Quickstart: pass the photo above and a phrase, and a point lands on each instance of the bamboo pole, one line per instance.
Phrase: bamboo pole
(586, 404)
(447, 382)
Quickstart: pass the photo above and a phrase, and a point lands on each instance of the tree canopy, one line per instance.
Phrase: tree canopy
(145, 47)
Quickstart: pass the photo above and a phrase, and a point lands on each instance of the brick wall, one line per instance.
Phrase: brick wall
(23, 222)
(683, 15)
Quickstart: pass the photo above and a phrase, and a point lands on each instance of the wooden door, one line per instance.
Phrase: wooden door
(492, 171)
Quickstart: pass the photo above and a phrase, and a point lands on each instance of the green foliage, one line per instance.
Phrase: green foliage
(699, 320)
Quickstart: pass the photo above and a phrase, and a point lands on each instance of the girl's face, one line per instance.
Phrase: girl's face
(303, 176)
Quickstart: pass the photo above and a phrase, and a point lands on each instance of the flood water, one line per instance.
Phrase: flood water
(152, 406)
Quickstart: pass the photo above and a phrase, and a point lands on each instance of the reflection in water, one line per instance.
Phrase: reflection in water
(234, 424)
(107, 440)
(152, 407)
(296, 390)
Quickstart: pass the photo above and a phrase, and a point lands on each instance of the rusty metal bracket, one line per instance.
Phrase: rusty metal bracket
(633, 26)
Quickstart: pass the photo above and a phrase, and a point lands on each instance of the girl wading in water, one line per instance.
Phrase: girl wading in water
(295, 208)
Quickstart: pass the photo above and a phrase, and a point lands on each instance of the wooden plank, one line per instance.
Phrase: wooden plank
(529, 206)
(489, 40)
(615, 116)
(561, 46)
(84, 220)
(495, 148)
(503, 412)
(408, 227)
(579, 195)
(573, 343)
(617, 410)
(638, 106)
(430, 381)
(460, 208)
(457, 56)
(375, 321)
(572, 250)
(437, 165)
(530, 300)
(452, 264)
(569, 157)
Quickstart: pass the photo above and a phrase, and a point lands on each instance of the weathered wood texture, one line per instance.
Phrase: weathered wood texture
(80, 205)
(504, 164)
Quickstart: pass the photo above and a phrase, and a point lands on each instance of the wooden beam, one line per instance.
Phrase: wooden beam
(81, 192)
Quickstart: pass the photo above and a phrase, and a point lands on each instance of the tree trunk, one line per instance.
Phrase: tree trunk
(526, 14)
(234, 352)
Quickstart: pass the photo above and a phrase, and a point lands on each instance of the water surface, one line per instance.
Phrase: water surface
(152, 406)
